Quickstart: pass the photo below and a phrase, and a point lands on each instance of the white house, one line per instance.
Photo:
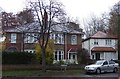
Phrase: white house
(101, 46)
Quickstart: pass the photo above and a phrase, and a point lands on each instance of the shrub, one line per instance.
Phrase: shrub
(49, 53)
(84, 56)
(17, 57)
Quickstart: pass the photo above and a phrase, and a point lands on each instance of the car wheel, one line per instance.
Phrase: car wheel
(115, 70)
(98, 71)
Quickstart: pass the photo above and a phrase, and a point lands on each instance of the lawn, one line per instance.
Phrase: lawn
(35, 73)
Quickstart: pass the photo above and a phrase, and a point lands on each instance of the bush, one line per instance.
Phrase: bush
(17, 57)
(48, 52)
(84, 56)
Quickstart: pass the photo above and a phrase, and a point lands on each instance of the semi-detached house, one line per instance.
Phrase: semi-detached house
(67, 40)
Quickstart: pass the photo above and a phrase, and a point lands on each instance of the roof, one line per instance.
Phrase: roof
(103, 49)
(101, 35)
(35, 27)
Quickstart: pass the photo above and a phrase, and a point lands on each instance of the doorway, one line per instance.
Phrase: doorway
(97, 56)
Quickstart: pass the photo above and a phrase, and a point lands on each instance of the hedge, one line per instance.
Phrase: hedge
(17, 57)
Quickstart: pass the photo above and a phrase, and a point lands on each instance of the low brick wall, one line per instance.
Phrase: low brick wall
(29, 67)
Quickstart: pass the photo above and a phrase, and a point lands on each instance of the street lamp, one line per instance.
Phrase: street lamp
(118, 33)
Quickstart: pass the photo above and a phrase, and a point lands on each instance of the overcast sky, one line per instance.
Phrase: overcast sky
(75, 8)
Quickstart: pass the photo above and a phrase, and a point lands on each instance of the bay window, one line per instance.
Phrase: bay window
(59, 55)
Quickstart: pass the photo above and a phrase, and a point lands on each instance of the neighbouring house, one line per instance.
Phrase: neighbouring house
(67, 41)
(101, 46)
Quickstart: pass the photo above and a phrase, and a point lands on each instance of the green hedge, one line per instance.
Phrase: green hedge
(17, 57)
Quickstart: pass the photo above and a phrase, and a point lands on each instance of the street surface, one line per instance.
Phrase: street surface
(81, 76)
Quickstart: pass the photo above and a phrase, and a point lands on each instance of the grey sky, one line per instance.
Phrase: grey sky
(80, 9)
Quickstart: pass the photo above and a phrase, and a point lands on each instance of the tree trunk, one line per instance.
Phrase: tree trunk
(43, 60)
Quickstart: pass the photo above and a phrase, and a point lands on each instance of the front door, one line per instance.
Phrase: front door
(72, 56)
(97, 56)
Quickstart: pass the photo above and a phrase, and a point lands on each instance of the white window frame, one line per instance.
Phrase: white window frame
(13, 38)
(108, 42)
(58, 37)
(59, 55)
(73, 39)
(30, 38)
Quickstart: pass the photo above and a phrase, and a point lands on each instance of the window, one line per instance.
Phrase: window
(74, 39)
(13, 38)
(108, 42)
(111, 62)
(59, 38)
(30, 38)
(95, 41)
(59, 55)
(105, 63)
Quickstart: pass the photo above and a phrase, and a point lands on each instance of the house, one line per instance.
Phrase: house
(101, 46)
(67, 41)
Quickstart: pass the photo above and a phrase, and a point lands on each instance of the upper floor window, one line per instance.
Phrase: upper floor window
(13, 38)
(59, 38)
(74, 39)
(30, 38)
(108, 41)
(95, 41)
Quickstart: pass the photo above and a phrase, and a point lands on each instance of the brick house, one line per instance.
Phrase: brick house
(67, 41)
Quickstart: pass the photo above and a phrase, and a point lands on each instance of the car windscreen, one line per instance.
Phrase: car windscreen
(99, 62)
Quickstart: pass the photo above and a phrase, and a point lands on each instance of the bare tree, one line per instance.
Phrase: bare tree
(96, 24)
(25, 16)
(47, 12)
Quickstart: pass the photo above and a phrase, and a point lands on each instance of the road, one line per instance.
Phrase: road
(102, 75)
(81, 76)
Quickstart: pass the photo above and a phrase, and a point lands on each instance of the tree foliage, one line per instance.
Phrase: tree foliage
(49, 53)
(114, 19)
(2, 45)
(114, 23)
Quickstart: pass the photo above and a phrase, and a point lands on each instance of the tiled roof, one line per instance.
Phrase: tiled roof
(103, 49)
(35, 27)
(100, 34)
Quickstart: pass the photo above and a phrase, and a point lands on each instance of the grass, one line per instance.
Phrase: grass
(35, 73)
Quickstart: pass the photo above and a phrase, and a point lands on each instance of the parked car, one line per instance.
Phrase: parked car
(102, 66)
